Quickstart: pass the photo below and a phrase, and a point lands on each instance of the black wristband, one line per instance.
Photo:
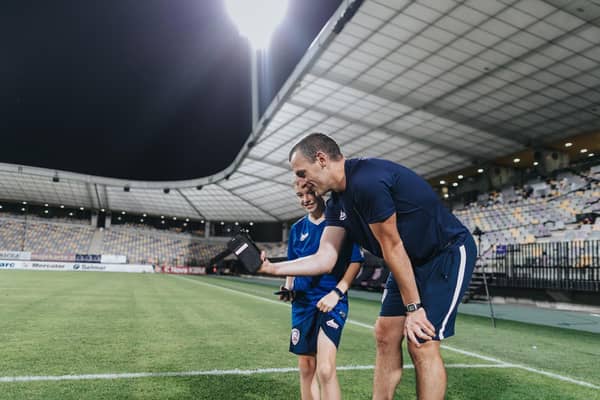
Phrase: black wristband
(338, 292)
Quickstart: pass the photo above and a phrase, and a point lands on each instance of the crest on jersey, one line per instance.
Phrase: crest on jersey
(295, 336)
(342, 215)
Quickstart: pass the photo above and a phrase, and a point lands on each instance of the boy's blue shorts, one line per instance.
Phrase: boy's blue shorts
(307, 320)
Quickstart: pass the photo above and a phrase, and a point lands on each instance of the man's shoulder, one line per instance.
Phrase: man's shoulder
(364, 173)
(369, 168)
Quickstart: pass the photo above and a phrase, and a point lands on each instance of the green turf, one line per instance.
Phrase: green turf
(57, 323)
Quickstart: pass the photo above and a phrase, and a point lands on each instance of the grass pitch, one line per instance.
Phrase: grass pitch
(120, 336)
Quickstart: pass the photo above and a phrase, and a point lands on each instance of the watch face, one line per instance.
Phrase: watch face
(411, 307)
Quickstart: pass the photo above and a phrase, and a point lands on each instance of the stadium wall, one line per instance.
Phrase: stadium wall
(69, 266)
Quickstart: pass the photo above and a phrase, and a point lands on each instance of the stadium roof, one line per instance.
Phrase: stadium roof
(436, 85)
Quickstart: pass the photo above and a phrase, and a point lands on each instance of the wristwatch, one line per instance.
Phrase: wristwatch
(412, 307)
(338, 292)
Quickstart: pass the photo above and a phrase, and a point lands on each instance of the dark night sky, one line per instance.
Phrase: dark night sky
(150, 90)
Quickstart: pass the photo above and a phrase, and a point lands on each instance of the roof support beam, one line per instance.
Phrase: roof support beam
(427, 142)
(419, 105)
(190, 203)
(251, 203)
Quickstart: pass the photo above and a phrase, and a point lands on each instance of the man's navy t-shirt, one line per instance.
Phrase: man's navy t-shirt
(376, 189)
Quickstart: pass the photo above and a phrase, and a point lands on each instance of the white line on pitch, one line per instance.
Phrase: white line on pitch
(214, 372)
(450, 348)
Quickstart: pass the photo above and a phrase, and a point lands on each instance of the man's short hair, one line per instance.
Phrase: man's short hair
(310, 145)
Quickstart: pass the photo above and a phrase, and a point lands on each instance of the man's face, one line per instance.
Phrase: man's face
(313, 175)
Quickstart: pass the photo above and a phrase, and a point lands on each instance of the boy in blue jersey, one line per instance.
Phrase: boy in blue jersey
(391, 212)
(319, 303)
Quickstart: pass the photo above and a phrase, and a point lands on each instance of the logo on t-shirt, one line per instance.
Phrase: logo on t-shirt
(342, 215)
(303, 236)
(332, 324)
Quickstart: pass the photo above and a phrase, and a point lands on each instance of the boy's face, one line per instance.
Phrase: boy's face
(309, 201)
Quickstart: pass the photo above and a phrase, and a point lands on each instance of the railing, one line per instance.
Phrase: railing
(563, 265)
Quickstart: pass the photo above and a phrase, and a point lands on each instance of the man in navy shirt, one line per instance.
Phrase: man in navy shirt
(320, 304)
(393, 213)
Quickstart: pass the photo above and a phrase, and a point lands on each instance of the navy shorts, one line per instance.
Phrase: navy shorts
(307, 320)
(441, 282)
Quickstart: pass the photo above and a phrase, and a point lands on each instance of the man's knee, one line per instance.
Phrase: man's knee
(425, 354)
(388, 333)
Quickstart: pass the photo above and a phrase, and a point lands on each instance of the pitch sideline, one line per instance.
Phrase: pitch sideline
(214, 372)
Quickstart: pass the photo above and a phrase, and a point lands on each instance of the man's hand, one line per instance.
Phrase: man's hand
(266, 266)
(328, 301)
(417, 325)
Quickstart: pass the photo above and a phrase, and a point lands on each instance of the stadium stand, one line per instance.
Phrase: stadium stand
(154, 247)
(559, 210)
(52, 238)
(12, 234)
(547, 213)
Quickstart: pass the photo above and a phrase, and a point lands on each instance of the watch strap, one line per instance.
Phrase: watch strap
(413, 307)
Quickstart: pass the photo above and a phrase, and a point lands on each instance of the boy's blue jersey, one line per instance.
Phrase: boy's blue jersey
(304, 241)
(377, 189)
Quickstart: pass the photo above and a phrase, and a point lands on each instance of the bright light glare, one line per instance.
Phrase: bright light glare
(257, 19)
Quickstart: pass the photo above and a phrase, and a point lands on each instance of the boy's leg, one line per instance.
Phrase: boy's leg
(326, 355)
(309, 387)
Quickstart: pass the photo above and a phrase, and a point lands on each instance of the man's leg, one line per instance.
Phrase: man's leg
(326, 354)
(309, 387)
(388, 362)
(430, 371)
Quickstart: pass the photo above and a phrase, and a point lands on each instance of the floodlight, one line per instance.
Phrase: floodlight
(257, 19)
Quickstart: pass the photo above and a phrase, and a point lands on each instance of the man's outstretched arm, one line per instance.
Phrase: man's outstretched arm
(321, 262)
